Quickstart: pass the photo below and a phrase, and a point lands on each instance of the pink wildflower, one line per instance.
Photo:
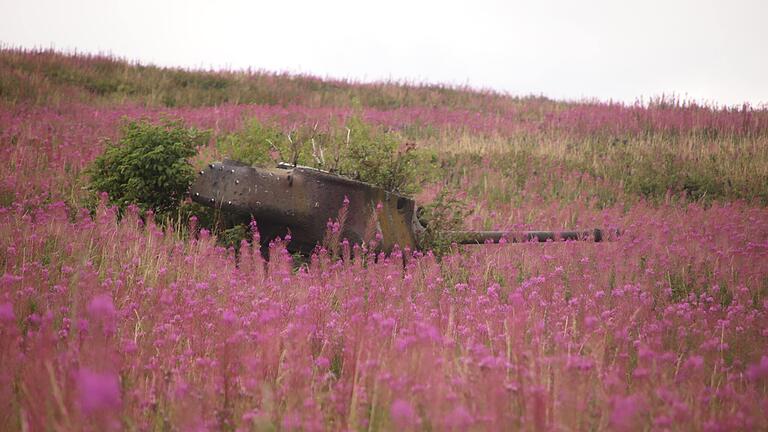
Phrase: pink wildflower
(758, 371)
(625, 413)
(459, 418)
(403, 415)
(98, 391)
(229, 317)
(101, 307)
(322, 362)
(694, 363)
(6, 312)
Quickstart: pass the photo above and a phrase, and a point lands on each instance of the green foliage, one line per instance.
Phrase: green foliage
(357, 150)
(446, 213)
(6, 197)
(207, 217)
(257, 144)
(696, 170)
(232, 237)
(148, 166)
(378, 158)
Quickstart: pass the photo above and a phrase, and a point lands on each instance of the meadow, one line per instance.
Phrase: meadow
(114, 320)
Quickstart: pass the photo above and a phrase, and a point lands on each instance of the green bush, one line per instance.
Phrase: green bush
(256, 145)
(445, 213)
(378, 158)
(148, 166)
(357, 150)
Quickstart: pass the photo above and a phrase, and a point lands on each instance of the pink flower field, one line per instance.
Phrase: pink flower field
(121, 323)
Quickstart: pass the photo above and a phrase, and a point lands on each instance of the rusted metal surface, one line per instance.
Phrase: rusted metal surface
(480, 237)
(302, 200)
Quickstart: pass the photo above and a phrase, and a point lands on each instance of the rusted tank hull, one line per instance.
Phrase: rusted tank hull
(302, 200)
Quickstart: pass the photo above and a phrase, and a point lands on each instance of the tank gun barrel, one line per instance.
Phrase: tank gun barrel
(480, 237)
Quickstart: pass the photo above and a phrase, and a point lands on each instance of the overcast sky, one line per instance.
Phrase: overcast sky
(709, 51)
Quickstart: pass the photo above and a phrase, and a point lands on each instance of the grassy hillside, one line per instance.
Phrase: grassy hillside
(47, 77)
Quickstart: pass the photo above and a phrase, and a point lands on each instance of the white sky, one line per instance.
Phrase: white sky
(710, 51)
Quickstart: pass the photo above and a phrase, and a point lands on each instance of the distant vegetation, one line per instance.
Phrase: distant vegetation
(670, 147)
(47, 77)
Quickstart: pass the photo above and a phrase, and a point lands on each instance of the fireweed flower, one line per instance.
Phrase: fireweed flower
(6, 312)
(759, 371)
(403, 415)
(626, 411)
(98, 391)
(102, 308)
